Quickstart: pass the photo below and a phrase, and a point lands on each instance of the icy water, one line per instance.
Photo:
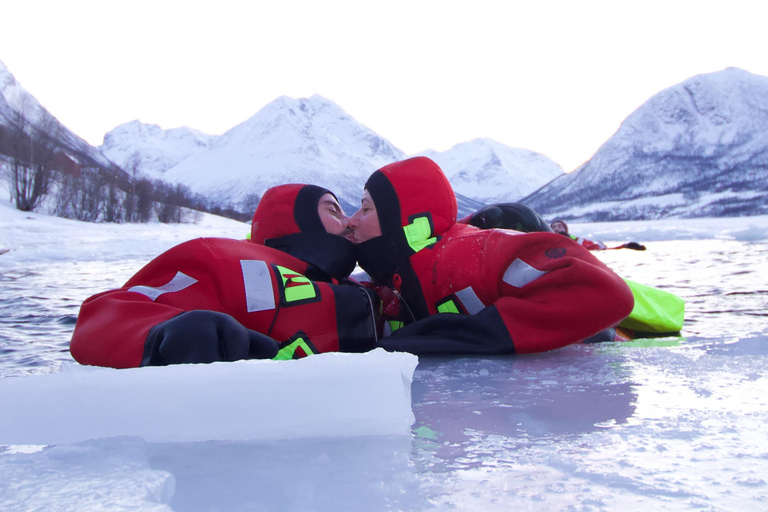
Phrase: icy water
(724, 283)
(39, 306)
(672, 424)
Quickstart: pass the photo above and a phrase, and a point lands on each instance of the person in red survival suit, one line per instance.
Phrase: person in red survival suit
(514, 292)
(561, 228)
(216, 299)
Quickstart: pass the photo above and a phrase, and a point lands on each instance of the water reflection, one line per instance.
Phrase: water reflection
(361, 473)
(460, 404)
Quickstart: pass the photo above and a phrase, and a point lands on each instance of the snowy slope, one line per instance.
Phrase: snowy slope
(289, 140)
(699, 148)
(151, 150)
(15, 99)
(490, 172)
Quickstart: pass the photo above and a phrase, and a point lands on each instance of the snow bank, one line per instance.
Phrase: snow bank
(327, 395)
(31, 238)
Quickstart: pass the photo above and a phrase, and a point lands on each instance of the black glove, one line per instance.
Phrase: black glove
(450, 333)
(634, 245)
(204, 337)
(515, 216)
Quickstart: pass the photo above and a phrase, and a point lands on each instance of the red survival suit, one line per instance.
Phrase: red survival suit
(514, 292)
(263, 289)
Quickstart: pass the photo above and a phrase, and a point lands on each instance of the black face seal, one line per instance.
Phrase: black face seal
(381, 256)
(329, 256)
(332, 256)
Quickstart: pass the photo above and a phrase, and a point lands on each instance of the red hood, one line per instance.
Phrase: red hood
(287, 219)
(415, 205)
(283, 208)
(421, 188)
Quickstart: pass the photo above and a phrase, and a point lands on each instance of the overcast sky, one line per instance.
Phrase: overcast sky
(556, 77)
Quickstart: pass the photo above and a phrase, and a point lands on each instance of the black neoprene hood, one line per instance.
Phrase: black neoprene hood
(381, 256)
(305, 209)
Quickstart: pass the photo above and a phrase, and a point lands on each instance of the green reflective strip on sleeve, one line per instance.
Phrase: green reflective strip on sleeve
(655, 310)
(418, 232)
(448, 307)
(287, 352)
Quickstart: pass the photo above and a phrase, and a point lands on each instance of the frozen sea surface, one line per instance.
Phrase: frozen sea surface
(666, 424)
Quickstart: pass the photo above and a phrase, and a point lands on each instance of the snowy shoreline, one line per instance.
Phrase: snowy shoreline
(32, 238)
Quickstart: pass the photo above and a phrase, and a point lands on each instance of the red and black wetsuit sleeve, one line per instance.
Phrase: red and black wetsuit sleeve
(112, 327)
(555, 293)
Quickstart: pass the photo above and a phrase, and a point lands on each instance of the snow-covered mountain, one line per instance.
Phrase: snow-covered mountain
(697, 149)
(289, 140)
(490, 172)
(16, 101)
(313, 140)
(14, 98)
(149, 149)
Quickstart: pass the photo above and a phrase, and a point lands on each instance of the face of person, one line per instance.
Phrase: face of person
(365, 222)
(559, 227)
(333, 217)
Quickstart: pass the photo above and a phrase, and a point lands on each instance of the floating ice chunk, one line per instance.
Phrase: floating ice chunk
(327, 395)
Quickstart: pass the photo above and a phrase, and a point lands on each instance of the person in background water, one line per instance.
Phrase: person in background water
(561, 228)
(215, 299)
(470, 291)
(515, 216)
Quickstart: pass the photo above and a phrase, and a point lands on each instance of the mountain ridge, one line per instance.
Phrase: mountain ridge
(698, 148)
(289, 140)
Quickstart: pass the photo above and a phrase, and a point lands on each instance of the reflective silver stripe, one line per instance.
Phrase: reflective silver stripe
(178, 283)
(259, 294)
(519, 274)
(470, 300)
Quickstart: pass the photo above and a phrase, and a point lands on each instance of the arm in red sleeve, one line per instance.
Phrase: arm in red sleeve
(554, 293)
(113, 326)
(524, 293)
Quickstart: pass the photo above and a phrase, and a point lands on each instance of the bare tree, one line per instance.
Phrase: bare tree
(113, 203)
(82, 196)
(172, 201)
(130, 202)
(144, 199)
(31, 147)
(250, 202)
